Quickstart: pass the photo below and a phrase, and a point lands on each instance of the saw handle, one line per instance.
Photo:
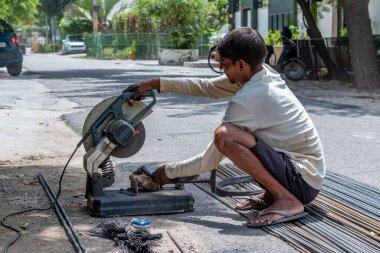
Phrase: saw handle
(115, 109)
(136, 119)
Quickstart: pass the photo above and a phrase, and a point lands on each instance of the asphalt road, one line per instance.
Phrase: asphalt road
(181, 126)
(348, 128)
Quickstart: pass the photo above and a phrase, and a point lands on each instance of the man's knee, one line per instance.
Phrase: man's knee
(222, 139)
(227, 133)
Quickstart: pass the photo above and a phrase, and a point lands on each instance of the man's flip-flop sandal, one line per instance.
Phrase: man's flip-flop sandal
(255, 204)
(288, 217)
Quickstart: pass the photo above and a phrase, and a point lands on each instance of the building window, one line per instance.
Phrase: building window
(246, 17)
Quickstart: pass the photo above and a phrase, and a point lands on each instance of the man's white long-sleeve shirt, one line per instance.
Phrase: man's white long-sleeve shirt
(264, 107)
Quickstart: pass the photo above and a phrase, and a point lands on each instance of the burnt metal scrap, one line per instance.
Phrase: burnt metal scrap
(127, 238)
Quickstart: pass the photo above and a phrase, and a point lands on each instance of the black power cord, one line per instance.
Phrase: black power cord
(19, 233)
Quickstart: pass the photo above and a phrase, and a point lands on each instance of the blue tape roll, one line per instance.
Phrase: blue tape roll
(140, 223)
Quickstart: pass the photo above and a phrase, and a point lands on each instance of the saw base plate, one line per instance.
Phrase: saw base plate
(124, 203)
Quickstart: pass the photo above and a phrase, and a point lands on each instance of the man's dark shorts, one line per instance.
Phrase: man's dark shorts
(284, 171)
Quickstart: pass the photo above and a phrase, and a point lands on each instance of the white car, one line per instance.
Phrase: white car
(73, 44)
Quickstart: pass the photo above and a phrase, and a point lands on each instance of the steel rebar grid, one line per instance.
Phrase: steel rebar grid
(340, 219)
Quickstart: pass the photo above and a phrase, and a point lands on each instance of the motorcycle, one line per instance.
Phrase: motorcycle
(288, 63)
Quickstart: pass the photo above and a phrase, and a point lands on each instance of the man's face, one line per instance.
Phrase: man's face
(231, 69)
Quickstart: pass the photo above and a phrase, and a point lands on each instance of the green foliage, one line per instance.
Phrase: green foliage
(49, 48)
(319, 8)
(107, 9)
(184, 20)
(54, 8)
(134, 21)
(76, 25)
(297, 33)
(273, 38)
(17, 12)
(217, 15)
(131, 48)
(343, 32)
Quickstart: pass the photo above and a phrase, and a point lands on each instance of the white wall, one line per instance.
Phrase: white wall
(237, 19)
(262, 20)
(301, 26)
(249, 18)
(325, 24)
(374, 11)
(328, 24)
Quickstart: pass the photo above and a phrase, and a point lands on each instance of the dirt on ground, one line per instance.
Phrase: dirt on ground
(41, 230)
(35, 140)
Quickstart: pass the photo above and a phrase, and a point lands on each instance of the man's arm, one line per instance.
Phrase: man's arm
(210, 159)
(196, 165)
(218, 87)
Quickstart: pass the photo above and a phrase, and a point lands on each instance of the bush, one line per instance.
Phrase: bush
(49, 48)
(273, 38)
(184, 20)
(77, 25)
(134, 21)
(297, 33)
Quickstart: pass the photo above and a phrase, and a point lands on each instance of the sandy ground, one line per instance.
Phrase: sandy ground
(38, 141)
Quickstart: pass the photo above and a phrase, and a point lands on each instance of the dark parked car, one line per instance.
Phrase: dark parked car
(10, 51)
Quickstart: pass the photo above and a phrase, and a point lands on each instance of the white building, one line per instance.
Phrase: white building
(279, 13)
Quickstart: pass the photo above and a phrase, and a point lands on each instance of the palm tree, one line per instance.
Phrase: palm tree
(106, 10)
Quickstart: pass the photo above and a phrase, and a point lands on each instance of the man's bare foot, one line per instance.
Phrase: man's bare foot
(256, 202)
(292, 206)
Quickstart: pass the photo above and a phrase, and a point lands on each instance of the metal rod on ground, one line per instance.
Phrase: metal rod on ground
(62, 216)
(340, 219)
(175, 242)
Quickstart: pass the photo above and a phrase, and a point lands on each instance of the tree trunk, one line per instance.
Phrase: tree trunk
(361, 43)
(314, 33)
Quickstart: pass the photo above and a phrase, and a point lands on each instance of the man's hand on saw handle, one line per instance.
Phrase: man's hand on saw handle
(140, 88)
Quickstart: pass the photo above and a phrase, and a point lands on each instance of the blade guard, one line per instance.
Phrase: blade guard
(115, 110)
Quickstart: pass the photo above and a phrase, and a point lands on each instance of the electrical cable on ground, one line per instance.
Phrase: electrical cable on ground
(19, 233)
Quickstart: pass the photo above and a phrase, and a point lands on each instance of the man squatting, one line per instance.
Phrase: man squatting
(265, 131)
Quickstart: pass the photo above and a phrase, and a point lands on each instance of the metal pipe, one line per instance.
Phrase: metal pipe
(62, 216)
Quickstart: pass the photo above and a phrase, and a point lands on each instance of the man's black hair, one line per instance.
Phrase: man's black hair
(245, 44)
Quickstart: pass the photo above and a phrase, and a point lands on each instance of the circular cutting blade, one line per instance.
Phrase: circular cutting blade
(134, 144)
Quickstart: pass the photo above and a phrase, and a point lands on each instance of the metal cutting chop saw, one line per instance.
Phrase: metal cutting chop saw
(113, 128)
